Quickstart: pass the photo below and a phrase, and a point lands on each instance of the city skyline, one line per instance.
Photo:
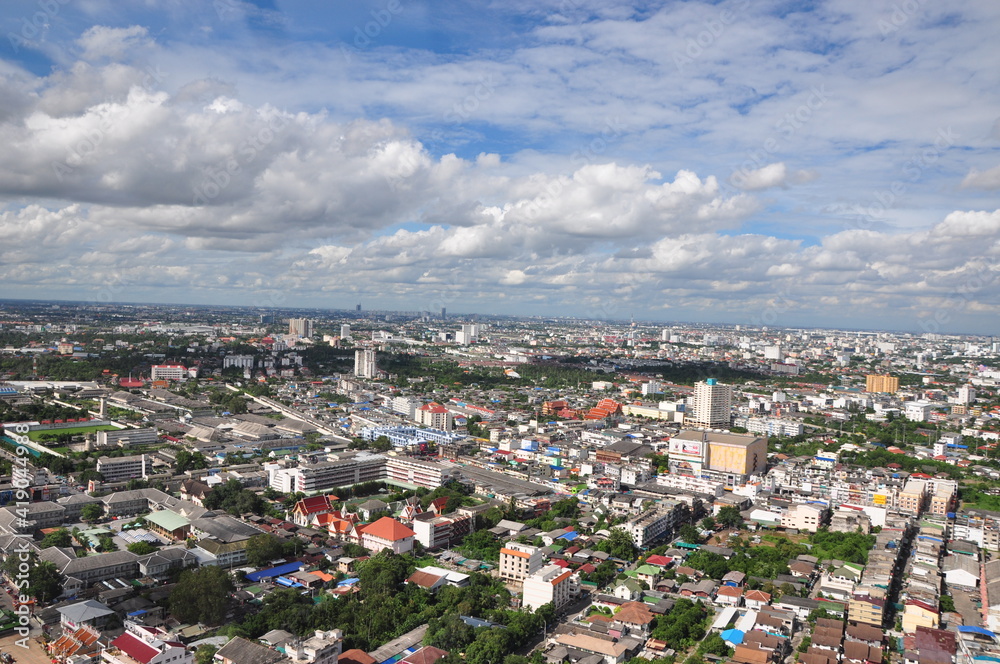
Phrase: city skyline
(768, 164)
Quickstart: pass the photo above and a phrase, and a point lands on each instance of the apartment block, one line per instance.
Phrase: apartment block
(549, 585)
(519, 561)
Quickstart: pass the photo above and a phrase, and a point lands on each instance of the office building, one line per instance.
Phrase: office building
(881, 383)
(345, 331)
(711, 405)
(364, 363)
(117, 469)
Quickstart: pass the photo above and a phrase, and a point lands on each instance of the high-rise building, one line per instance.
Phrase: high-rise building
(468, 334)
(345, 331)
(364, 363)
(711, 405)
(300, 327)
(357, 308)
(966, 394)
(444, 313)
(881, 383)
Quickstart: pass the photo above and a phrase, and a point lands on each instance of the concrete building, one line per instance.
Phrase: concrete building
(365, 363)
(300, 327)
(519, 561)
(881, 383)
(711, 405)
(549, 585)
(168, 372)
(116, 469)
(436, 416)
(387, 533)
(803, 517)
(727, 457)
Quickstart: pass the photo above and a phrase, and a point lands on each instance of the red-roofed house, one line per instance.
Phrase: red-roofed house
(307, 508)
(387, 533)
(660, 561)
(143, 645)
(755, 599)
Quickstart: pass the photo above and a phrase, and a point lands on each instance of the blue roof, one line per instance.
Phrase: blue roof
(733, 636)
(347, 582)
(272, 572)
(972, 629)
(282, 581)
(570, 536)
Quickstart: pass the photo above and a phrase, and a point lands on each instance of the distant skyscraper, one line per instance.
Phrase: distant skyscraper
(345, 331)
(364, 363)
(711, 405)
(357, 308)
(300, 327)
(444, 313)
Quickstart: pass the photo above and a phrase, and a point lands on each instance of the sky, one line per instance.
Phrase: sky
(757, 162)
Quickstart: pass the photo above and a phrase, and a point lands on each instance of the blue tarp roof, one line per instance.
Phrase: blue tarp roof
(570, 536)
(733, 636)
(972, 629)
(347, 582)
(282, 581)
(272, 572)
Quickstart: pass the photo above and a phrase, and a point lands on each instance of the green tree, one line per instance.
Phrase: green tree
(689, 534)
(201, 595)
(729, 517)
(92, 512)
(263, 548)
(141, 548)
(59, 537)
(205, 654)
(619, 544)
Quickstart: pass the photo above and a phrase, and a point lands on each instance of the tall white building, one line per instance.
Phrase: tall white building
(300, 327)
(238, 361)
(519, 561)
(549, 585)
(966, 394)
(364, 363)
(345, 331)
(711, 405)
(468, 334)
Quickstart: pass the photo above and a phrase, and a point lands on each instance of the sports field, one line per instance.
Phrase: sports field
(37, 435)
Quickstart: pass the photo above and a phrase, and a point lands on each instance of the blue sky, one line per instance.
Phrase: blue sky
(817, 162)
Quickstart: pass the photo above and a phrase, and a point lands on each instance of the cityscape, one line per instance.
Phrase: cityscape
(241, 485)
(453, 332)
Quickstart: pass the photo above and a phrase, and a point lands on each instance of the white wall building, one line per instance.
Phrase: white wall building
(549, 585)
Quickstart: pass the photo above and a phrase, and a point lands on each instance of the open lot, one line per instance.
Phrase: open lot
(33, 654)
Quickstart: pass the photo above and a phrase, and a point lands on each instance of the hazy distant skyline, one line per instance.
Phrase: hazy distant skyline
(821, 164)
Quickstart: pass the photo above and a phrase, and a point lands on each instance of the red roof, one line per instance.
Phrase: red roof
(660, 561)
(135, 648)
(560, 563)
(313, 505)
(389, 529)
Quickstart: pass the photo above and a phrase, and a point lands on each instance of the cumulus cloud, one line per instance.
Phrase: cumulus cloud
(771, 175)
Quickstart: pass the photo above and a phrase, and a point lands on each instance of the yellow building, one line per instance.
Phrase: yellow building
(881, 383)
(868, 607)
(917, 614)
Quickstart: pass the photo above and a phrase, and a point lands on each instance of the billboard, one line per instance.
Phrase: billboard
(695, 448)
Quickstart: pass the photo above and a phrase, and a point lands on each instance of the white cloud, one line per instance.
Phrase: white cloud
(988, 179)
